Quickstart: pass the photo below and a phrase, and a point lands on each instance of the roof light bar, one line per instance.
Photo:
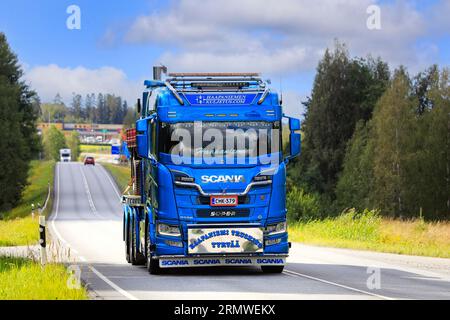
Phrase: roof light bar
(214, 74)
(219, 84)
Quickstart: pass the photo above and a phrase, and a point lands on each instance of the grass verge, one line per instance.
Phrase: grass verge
(17, 227)
(368, 231)
(121, 174)
(24, 279)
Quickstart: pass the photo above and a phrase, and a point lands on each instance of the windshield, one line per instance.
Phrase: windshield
(65, 155)
(220, 139)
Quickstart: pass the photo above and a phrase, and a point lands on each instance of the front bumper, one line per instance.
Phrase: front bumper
(164, 246)
(222, 260)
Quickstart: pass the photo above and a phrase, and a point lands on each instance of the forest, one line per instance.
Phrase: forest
(93, 108)
(374, 138)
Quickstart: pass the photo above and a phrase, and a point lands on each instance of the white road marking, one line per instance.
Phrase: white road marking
(89, 195)
(55, 215)
(296, 274)
(113, 285)
(81, 258)
(110, 181)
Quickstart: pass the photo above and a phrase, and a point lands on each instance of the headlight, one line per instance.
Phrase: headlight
(262, 178)
(276, 228)
(184, 179)
(168, 230)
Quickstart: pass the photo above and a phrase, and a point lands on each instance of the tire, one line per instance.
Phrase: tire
(152, 264)
(272, 269)
(127, 242)
(136, 258)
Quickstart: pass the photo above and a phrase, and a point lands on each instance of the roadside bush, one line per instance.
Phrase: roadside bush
(73, 143)
(301, 205)
(354, 225)
(53, 141)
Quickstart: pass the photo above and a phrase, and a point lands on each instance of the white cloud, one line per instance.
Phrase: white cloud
(292, 104)
(281, 36)
(52, 79)
(283, 60)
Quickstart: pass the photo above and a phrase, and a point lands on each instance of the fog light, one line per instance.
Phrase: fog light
(276, 228)
(273, 241)
(174, 243)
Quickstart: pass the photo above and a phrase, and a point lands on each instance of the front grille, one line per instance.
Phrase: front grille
(223, 213)
(205, 200)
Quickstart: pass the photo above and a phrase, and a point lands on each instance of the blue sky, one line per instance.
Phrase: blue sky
(120, 41)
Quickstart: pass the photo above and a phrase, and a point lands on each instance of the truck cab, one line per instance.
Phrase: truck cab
(208, 174)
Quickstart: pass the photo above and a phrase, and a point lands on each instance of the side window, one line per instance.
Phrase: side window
(155, 141)
(144, 102)
(152, 138)
(151, 102)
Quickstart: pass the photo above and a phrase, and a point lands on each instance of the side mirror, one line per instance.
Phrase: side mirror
(295, 144)
(294, 124)
(295, 139)
(139, 106)
(142, 138)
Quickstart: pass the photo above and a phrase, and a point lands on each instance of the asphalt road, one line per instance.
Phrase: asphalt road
(87, 221)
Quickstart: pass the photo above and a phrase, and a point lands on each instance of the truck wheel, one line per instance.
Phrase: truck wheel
(136, 258)
(152, 264)
(272, 269)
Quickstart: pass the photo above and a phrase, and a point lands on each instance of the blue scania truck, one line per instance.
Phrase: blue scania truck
(208, 173)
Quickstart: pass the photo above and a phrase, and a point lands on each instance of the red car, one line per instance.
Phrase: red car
(89, 160)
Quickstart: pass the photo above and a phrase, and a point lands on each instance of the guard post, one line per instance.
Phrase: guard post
(42, 241)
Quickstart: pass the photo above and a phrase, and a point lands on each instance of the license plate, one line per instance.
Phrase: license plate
(225, 240)
(223, 201)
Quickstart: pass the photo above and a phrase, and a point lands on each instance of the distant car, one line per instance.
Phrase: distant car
(89, 160)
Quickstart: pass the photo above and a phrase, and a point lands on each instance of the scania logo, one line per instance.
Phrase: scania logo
(223, 178)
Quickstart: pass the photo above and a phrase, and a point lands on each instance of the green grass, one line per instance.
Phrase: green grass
(24, 279)
(21, 231)
(121, 174)
(368, 231)
(17, 226)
